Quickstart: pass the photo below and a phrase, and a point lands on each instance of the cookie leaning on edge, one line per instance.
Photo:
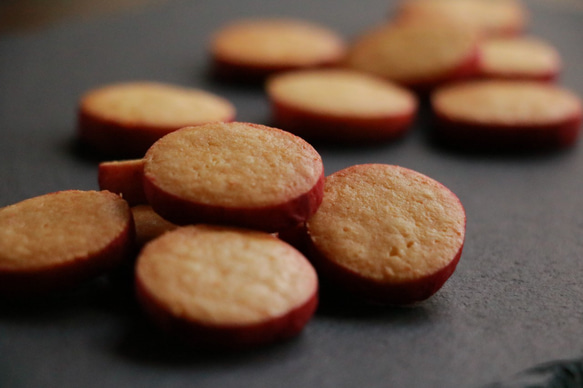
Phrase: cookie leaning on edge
(224, 287)
(123, 177)
(386, 233)
(237, 174)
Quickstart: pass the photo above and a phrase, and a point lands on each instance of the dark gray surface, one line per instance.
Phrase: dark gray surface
(515, 300)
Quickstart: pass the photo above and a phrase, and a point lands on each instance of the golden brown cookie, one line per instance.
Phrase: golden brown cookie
(226, 288)
(386, 233)
(124, 119)
(238, 174)
(336, 105)
(57, 240)
(416, 55)
(488, 17)
(249, 50)
(519, 58)
(510, 115)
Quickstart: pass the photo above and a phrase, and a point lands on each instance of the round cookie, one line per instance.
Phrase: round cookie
(387, 234)
(237, 174)
(506, 115)
(518, 58)
(57, 240)
(125, 119)
(336, 105)
(488, 17)
(420, 56)
(226, 288)
(249, 50)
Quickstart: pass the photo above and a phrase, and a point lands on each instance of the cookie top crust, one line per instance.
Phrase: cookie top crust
(59, 228)
(518, 55)
(410, 53)
(341, 93)
(489, 17)
(224, 276)
(515, 103)
(239, 165)
(152, 104)
(277, 42)
(387, 223)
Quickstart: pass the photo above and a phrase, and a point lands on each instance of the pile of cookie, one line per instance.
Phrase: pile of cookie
(232, 227)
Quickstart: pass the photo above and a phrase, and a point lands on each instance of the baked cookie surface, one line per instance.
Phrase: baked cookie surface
(57, 240)
(416, 55)
(254, 48)
(334, 104)
(235, 173)
(488, 17)
(226, 287)
(387, 233)
(507, 114)
(523, 57)
(126, 118)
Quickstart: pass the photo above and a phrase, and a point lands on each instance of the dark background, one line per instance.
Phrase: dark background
(515, 301)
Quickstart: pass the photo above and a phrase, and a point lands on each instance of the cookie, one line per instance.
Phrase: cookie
(336, 105)
(236, 174)
(386, 234)
(148, 224)
(251, 49)
(420, 56)
(123, 177)
(488, 17)
(217, 287)
(518, 58)
(58, 240)
(506, 115)
(125, 119)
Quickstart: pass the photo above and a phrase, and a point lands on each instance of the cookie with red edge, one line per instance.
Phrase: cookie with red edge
(386, 234)
(58, 240)
(149, 224)
(125, 119)
(237, 174)
(334, 105)
(251, 49)
(506, 115)
(519, 58)
(420, 56)
(488, 17)
(123, 177)
(217, 287)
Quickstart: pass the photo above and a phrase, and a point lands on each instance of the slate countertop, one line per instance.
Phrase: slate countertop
(515, 301)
